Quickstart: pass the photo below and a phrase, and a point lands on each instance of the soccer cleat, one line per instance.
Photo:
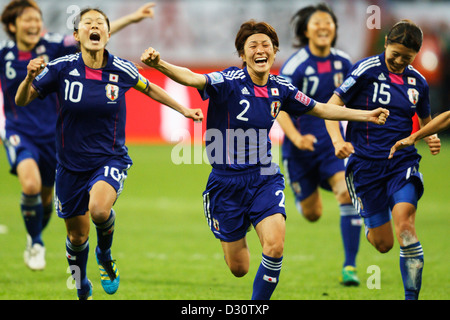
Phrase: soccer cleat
(109, 275)
(349, 277)
(87, 295)
(34, 255)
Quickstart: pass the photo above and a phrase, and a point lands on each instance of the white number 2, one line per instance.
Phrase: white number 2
(281, 204)
(241, 115)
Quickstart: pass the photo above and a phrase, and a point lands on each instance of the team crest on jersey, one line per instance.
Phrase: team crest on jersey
(112, 91)
(275, 108)
(413, 95)
(14, 140)
(296, 187)
(338, 79)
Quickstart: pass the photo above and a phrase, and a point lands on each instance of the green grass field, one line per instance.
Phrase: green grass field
(165, 250)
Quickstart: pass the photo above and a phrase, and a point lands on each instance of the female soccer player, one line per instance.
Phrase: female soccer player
(90, 136)
(29, 136)
(308, 154)
(381, 188)
(244, 187)
(439, 123)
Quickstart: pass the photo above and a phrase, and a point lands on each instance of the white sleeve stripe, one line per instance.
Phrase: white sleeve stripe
(293, 64)
(127, 65)
(124, 69)
(364, 64)
(373, 62)
(367, 67)
(70, 57)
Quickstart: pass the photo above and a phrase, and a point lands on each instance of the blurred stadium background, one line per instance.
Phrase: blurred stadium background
(199, 34)
(161, 205)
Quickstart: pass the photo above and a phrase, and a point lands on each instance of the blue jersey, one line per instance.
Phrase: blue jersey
(370, 85)
(241, 114)
(317, 77)
(91, 122)
(38, 119)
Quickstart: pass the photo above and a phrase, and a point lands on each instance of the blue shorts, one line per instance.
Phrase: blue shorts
(20, 147)
(306, 174)
(233, 201)
(72, 188)
(376, 186)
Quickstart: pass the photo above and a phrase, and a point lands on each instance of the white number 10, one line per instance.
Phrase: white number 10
(70, 89)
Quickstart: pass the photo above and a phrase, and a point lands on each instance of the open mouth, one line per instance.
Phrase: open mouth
(94, 37)
(261, 61)
(33, 33)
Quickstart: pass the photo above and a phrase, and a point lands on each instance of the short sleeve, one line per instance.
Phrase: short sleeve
(297, 103)
(216, 86)
(46, 82)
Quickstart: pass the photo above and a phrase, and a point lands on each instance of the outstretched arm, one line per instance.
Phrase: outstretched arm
(26, 93)
(146, 11)
(440, 123)
(182, 75)
(159, 94)
(331, 111)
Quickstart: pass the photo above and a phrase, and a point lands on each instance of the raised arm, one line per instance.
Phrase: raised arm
(159, 94)
(182, 75)
(146, 11)
(26, 93)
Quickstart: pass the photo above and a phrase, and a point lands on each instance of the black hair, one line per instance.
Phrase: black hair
(407, 33)
(14, 10)
(300, 22)
(77, 19)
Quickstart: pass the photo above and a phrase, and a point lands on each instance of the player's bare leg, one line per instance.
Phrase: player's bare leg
(77, 252)
(271, 232)
(237, 256)
(102, 198)
(32, 212)
(381, 237)
(311, 207)
(350, 225)
(411, 252)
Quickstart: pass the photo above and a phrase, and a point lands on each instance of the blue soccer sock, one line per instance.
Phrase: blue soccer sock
(105, 232)
(266, 278)
(350, 232)
(47, 215)
(32, 212)
(77, 256)
(411, 266)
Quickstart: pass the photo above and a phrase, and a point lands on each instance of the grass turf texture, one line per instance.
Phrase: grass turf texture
(165, 251)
